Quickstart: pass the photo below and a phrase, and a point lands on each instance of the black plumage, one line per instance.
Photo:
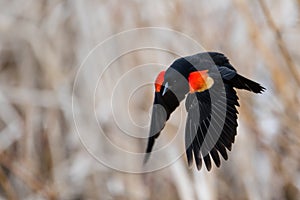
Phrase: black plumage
(211, 124)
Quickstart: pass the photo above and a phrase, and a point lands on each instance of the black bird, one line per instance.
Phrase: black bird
(210, 81)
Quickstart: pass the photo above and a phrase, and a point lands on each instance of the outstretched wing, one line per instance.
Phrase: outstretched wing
(163, 106)
(211, 124)
(158, 120)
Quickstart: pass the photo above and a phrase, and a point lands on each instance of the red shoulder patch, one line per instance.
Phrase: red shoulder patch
(159, 81)
(197, 80)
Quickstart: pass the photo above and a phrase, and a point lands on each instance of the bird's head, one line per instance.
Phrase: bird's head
(165, 98)
(176, 83)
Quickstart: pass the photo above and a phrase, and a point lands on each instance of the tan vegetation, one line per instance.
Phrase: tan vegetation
(43, 43)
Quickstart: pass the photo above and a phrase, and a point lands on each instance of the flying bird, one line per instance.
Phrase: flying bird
(208, 82)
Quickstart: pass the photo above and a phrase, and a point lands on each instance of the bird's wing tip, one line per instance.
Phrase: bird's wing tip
(146, 158)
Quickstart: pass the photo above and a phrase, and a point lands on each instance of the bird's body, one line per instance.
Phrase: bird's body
(208, 82)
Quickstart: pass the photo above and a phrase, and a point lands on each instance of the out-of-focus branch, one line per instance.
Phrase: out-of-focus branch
(6, 185)
(281, 44)
(33, 183)
(298, 2)
(279, 79)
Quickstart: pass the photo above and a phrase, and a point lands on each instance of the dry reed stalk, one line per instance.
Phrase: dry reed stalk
(294, 72)
(269, 57)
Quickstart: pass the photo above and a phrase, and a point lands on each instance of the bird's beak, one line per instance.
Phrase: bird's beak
(166, 88)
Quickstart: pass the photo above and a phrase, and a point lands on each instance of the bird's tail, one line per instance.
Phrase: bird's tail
(241, 82)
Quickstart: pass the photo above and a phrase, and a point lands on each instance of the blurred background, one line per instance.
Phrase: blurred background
(42, 46)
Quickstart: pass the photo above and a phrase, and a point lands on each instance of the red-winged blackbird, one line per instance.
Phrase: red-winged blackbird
(210, 81)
